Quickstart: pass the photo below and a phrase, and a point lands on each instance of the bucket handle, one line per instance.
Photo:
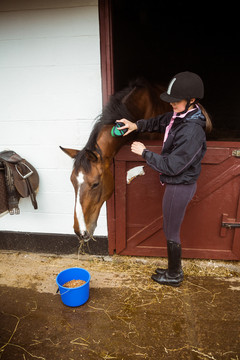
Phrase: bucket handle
(64, 292)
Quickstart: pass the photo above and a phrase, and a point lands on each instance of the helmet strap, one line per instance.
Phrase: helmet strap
(188, 106)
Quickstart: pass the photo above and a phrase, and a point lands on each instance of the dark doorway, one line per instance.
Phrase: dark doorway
(157, 39)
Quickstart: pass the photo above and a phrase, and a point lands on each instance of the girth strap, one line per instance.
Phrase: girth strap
(13, 196)
(32, 194)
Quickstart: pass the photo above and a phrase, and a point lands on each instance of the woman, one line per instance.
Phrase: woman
(179, 164)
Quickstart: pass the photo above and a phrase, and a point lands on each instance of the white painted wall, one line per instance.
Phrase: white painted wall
(50, 93)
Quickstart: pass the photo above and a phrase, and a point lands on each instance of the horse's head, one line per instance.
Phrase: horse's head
(93, 184)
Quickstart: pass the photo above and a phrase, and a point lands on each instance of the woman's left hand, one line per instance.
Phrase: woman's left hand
(137, 147)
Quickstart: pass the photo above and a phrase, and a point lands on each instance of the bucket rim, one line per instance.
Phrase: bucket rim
(77, 287)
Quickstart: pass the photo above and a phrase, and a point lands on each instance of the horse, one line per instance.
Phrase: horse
(91, 176)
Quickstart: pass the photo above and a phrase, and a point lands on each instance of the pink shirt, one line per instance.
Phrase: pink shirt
(172, 121)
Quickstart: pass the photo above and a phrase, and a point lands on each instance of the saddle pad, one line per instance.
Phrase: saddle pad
(10, 156)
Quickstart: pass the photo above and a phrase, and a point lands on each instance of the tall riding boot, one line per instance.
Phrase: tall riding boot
(173, 276)
(162, 271)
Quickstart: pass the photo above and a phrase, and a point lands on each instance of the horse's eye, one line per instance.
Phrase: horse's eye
(95, 185)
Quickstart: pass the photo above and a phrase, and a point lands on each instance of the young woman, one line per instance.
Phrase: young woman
(179, 164)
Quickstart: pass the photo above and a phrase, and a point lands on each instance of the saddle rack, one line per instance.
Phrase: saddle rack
(18, 178)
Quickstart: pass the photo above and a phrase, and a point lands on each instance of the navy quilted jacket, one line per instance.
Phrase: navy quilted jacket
(180, 160)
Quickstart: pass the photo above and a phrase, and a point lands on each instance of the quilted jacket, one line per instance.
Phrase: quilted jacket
(183, 150)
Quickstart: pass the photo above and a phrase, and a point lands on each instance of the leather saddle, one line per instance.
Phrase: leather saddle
(18, 178)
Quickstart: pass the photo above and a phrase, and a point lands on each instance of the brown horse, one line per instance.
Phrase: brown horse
(91, 177)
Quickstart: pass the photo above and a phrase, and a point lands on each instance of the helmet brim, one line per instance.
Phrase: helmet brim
(168, 98)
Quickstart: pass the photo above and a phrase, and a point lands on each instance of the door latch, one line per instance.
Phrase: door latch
(236, 153)
(228, 223)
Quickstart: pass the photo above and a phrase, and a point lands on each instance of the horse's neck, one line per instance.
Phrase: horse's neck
(141, 104)
(108, 144)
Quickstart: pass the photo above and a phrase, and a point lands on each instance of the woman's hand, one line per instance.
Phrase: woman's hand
(137, 147)
(127, 125)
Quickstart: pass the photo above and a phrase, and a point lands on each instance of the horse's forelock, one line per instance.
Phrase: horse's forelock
(82, 162)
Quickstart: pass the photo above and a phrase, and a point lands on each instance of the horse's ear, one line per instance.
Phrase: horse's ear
(70, 152)
(91, 155)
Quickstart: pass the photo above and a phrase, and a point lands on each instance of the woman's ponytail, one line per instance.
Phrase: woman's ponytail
(207, 117)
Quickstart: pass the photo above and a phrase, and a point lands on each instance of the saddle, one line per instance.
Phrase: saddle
(18, 178)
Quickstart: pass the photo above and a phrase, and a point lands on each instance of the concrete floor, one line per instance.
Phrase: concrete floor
(127, 316)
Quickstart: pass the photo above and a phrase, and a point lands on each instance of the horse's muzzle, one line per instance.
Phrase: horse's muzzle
(85, 237)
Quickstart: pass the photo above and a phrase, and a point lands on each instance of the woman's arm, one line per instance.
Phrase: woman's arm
(156, 124)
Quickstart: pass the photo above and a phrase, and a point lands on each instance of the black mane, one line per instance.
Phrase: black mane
(114, 110)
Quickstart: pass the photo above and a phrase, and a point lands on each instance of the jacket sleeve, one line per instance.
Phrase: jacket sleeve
(157, 124)
(186, 150)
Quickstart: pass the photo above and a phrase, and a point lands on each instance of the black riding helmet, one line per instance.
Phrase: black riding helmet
(185, 85)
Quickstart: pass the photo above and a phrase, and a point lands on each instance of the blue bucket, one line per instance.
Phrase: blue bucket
(74, 296)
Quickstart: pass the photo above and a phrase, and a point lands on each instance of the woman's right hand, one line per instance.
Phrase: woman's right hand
(127, 125)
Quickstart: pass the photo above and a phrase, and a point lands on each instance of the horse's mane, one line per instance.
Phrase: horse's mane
(114, 110)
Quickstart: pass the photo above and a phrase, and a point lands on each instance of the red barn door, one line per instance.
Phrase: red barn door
(211, 228)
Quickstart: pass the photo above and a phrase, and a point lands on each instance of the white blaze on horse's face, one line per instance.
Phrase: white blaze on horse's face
(78, 206)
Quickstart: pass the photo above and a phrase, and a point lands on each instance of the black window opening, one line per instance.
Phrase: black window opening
(156, 39)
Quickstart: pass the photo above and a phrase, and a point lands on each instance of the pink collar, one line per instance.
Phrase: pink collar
(184, 114)
(172, 121)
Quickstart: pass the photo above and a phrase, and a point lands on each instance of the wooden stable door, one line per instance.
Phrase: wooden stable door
(211, 227)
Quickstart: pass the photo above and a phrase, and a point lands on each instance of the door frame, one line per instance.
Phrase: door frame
(107, 71)
(106, 48)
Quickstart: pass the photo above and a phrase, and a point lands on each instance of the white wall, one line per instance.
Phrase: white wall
(50, 93)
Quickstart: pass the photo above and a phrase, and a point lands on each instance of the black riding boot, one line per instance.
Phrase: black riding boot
(162, 271)
(173, 276)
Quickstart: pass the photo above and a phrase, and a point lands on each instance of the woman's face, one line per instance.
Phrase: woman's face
(180, 106)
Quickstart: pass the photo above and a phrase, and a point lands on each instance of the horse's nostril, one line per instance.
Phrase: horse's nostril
(85, 235)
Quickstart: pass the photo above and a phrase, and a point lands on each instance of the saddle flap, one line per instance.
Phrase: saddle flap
(22, 171)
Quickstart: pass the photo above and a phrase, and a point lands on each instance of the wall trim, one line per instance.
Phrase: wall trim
(58, 244)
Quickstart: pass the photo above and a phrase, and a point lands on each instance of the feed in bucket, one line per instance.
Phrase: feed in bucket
(74, 296)
(74, 283)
